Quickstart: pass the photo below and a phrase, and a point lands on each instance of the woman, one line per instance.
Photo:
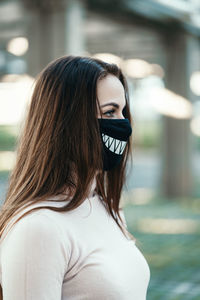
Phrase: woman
(63, 235)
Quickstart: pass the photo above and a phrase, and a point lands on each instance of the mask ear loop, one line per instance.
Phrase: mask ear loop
(124, 112)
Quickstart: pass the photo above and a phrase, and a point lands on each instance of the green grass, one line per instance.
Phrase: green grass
(197, 139)
(173, 258)
(148, 134)
(8, 135)
(4, 175)
(8, 138)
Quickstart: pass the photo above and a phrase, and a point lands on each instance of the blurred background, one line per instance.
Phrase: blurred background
(157, 45)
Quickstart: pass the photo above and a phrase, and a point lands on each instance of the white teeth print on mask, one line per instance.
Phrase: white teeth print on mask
(113, 144)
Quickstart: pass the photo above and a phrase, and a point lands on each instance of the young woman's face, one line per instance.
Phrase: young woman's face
(110, 93)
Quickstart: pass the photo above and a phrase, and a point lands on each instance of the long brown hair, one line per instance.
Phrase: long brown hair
(60, 146)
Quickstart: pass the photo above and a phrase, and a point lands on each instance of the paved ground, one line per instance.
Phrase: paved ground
(146, 169)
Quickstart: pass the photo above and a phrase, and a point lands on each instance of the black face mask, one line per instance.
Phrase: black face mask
(114, 134)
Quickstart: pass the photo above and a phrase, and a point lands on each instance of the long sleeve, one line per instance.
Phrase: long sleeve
(34, 260)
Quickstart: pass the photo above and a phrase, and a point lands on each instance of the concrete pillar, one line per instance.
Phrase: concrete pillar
(177, 143)
(54, 29)
(75, 38)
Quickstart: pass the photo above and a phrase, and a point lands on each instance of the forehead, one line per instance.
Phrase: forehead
(110, 89)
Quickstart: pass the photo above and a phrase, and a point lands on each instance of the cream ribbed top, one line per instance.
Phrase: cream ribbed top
(76, 255)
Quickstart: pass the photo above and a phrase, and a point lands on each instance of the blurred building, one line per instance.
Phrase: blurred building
(150, 39)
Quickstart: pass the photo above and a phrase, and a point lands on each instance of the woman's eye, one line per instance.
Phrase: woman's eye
(109, 112)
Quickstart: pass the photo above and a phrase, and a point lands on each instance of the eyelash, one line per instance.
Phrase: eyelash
(109, 111)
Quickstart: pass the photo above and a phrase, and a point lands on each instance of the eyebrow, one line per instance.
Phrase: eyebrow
(111, 103)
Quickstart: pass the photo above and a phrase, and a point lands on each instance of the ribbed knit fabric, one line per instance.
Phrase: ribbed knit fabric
(76, 255)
